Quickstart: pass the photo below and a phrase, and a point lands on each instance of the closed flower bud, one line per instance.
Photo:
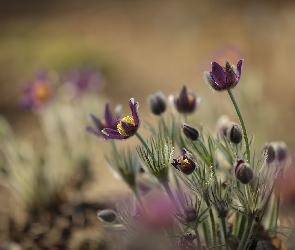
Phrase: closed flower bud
(190, 214)
(234, 133)
(157, 103)
(281, 151)
(271, 154)
(190, 132)
(243, 172)
(107, 215)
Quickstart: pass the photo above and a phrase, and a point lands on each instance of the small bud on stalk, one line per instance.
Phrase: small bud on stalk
(234, 133)
(243, 172)
(190, 132)
(157, 103)
(190, 214)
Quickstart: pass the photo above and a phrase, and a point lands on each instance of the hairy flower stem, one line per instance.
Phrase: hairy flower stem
(170, 194)
(139, 200)
(277, 213)
(143, 143)
(114, 146)
(225, 230)
(206, 234)
(242, 124)
(242, 227)
(212, 221)
(199, 244)
(247, 233)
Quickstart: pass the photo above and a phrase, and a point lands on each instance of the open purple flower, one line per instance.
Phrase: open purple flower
(83, 80)
(184, 163)
(109, 121)
(223, 78)
(185, 101)
(37, 92)
(126, 127)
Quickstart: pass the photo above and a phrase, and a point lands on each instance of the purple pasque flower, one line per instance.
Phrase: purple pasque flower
(184, 163)
(185, 101)
(109, 121)
(37, 92)
(126, 127)
(83, 80)
(223, 78)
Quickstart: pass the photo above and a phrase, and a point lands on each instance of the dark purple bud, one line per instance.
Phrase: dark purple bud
(189, 209)
(107, 215)
(281, 151)
(185, 101)
(157, 103)
(190, 132)
(234, 133)
(190, 217)
(243, 172)
(271, 154)
(190, 214)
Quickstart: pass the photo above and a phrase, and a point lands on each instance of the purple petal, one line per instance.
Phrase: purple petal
(209, 80)
(183, 97)
(134, 110)
(110, 121)
(239, 69)
(113, 134)
(218, 74)
(94, 131)
(98, 124)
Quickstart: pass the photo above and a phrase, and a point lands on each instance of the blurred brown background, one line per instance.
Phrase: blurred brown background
(146, 46)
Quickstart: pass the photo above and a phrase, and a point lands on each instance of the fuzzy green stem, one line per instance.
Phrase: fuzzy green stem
(242, 124)
(278, 200)
(225, 230)
(212, 221)
(144, 143)
(206, 234)
(139, 199)
(114, 146)
(242, 227)
(185, 117)
(247, 233)
(199, 244)
(170, 194)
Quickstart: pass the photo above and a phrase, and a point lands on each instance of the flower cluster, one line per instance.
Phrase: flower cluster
(202, 190)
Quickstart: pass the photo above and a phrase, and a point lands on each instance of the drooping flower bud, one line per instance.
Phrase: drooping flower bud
(281, 151)
(184, 163)
(190, 214)
(271, 154)
(243, 172)
(157, 103)
(107, 215)
(190, 132)
(234, 133)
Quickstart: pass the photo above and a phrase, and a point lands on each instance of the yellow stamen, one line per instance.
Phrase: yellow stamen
(183, 162)
(190, 98)
(127, 119)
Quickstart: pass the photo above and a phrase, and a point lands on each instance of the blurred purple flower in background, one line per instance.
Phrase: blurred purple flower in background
(37, 93)
(109, 121)
(225, 78)
(83, 80)
(127, 126)
(185, 101)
